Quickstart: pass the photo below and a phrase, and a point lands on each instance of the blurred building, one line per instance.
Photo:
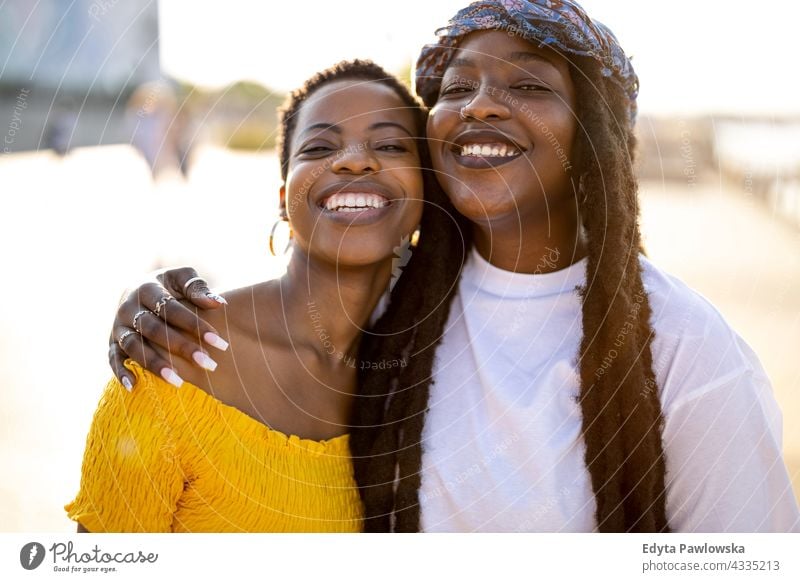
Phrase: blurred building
(759, 158)
(678, 150)
(763, 158)
(70, 68)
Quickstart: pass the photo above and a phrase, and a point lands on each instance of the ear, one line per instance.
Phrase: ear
(282, 203)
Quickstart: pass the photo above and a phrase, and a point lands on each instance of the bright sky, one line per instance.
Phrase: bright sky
(692, 56)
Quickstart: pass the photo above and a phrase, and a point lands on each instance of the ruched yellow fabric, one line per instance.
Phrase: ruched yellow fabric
(162, 459)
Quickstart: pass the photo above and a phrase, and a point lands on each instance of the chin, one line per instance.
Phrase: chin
(483, 203)
(353, 253)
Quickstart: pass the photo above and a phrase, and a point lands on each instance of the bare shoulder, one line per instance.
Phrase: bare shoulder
(259, 373)
(252, 311)
(245, 309)
(250, 324)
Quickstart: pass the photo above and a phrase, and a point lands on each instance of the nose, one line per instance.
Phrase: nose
(485, 105)
(355, 159)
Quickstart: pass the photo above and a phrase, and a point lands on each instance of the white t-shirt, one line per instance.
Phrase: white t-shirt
(502, 443)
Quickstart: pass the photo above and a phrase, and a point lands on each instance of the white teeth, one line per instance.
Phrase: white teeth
(497, 150)
(355, 202)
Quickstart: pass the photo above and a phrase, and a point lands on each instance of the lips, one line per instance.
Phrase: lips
(485, 148)
(355, 202)
(353, 194)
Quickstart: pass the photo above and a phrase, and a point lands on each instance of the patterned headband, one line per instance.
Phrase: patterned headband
(560, 24)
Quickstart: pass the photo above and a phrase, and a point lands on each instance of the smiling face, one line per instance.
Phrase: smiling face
(502, 130)
(354, 184)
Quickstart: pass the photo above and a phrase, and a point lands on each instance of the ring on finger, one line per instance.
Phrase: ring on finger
(122, 337)
(161, 303)
(136, 319)
(190, 281)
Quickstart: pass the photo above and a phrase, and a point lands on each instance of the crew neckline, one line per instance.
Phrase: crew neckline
(481, 274)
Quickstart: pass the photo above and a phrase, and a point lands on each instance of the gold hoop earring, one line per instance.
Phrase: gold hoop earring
(414, 238)
(272, 237)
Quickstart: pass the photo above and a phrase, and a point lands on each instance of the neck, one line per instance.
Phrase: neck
(327, 306)
(541, 242)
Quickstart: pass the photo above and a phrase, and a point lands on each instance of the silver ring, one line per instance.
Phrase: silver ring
(190, 281)
(463, 115)
(161, 303)
(136, 319)
(122, 337)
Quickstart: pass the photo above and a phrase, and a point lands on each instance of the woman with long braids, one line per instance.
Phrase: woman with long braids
(262, 445)
(564, 383)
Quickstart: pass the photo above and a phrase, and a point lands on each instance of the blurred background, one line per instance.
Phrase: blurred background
(139, 134)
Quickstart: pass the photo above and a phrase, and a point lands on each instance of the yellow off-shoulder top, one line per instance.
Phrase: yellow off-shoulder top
(162, 459)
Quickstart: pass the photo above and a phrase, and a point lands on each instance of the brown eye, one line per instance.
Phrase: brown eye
(391, 148)
(456, 88)
(316, 149)
(532, 87)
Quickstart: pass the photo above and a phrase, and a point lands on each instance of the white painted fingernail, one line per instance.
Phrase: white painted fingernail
(127, 383)
(218, 298)
(170, 376)
(216, 341)
(204, 361)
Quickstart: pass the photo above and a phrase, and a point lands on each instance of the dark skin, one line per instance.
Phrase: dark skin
(520, 210)
(293, 341)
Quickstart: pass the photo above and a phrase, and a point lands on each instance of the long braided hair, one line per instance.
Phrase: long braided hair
(621, 412)
(620, 405)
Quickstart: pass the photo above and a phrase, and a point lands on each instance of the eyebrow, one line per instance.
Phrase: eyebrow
(382, 124)
(520, 56)
(323, 126)
(336, 129)
(462, 62)
(526, 57)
